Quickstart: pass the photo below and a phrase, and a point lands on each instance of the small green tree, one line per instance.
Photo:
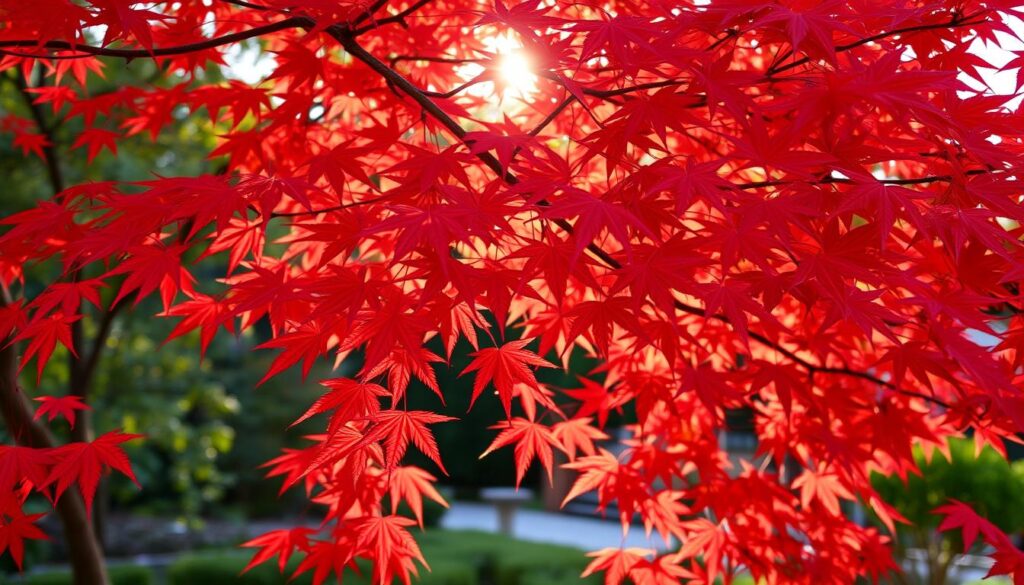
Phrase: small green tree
(994, 487)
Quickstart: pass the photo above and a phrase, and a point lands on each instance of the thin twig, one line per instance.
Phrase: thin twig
(91, 50)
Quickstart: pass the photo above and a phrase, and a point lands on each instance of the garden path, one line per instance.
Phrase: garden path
(588, 533)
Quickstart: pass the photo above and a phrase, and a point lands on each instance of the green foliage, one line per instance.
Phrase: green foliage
(185, 416)
(455, 557)
(529, 563)
(506, 561)
(226, 568)
(994, 487)
(119, 575)
(191, 412)
(180, 150)
(449, 572)
(986, 481)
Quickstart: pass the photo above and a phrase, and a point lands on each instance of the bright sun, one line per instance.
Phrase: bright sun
(517, 73)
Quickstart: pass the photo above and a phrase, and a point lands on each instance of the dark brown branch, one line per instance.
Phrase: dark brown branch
(395, 18)
(90, 50)
(955, 22)
(368, 13)
(552, 115)
(91, 360)
(455, 91)
(53, 170)
(842, 181)
(451, 60)
(341, 207)
(248, 5)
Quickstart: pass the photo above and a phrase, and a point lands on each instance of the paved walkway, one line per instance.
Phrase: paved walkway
(593, 533)
(537, 526)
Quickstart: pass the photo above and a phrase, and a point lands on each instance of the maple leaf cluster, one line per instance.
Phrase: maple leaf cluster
(811, 210)
(50, 472)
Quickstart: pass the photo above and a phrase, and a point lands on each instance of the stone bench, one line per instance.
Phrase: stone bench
(506, 501)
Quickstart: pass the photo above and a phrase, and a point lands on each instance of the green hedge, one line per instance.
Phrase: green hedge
(504, 561)
(455, 557)
(447, 573)
(226, 569)
(119, 575)
(527, 563)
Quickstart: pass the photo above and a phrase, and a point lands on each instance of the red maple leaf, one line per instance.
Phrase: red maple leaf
(350, 400)
(504, 366)
(278, 543)
(410, 484)
(391, 547)
(95, 140)
(397, 428)
(531, 440)
(82, 463)
(15, 528)
(54, 406)
(43, 335)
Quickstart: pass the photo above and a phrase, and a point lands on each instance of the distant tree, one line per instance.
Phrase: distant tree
(994, 487)
(804, 208)
(29, 113)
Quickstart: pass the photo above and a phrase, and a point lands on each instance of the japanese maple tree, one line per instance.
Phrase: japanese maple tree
(807, 209)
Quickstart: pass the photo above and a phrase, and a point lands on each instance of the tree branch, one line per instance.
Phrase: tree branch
(842, 181)
(955, 22)
(91, 360)
(399, 18)
(90, 50)
(340, 207)
(53, 170)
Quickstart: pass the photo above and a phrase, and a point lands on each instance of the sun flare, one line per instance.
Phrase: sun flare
(514, 73)
(517, 74)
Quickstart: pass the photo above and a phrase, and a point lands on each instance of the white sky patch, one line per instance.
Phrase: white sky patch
(248, 63)
(1000, 82)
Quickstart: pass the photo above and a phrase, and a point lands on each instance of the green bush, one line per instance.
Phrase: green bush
(504, 561)
(448, 573)
(525, 563)
(468, 546)
(456, 558)
(226, 569)
(986, 481)
(543, 578)
(119, 575)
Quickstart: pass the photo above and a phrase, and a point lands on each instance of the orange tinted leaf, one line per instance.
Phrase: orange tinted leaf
(397, 428)
(504, 367)
(531, 440)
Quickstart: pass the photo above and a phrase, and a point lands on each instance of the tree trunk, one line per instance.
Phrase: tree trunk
(83, 432)
(86, 555)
